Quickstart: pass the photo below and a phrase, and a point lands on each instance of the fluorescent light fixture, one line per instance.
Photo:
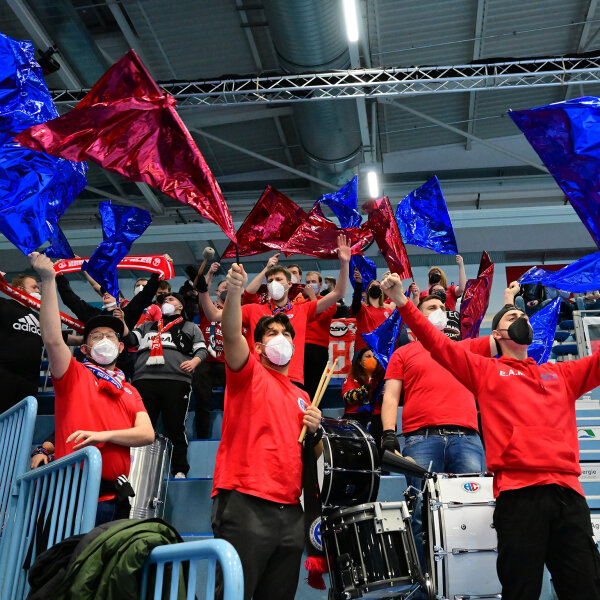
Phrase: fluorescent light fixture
(351, 20)
(373, 184)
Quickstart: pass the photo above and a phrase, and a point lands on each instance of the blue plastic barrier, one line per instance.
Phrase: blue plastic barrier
(193, 552)
(16, 436)
(52, 502)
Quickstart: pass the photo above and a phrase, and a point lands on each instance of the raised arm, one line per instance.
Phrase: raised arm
(95, 285)
(80, 308)
(339, 292)
(235, 346)
(211, 312)
(59, 355)
(253, 286)
(511, 291)
(135, 308)
(462, 276)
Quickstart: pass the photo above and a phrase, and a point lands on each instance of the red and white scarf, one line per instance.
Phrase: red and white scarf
(156, 350)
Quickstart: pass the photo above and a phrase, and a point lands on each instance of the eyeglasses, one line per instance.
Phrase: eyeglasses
(96, 337)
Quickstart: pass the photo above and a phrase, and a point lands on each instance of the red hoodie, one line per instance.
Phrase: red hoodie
(527, 411)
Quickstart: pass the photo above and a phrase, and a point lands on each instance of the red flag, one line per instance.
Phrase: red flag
(476, 299)
(387, 235)
(317, 236)
(128, 125)
(274, 218)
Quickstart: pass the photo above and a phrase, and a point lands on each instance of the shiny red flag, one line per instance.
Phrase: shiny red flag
(274, 218)
(317, 236)
(128, 125)
(476, 299)
(387, 235)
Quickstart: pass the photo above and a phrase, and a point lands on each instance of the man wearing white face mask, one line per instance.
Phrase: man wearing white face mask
(94, 405)
(168, 352)
(258, 471)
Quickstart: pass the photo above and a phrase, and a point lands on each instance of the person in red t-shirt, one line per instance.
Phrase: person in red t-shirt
(93, 403)
(258, 471)
(369, 314)
(453, 292)
(528, 419)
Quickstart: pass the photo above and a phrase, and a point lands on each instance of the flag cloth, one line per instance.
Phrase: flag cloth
(35, 189)
(476, 299)
(423, 219)
(566, 136)
(274, 217)
(317, 236)
(382, 340)
(121, 226)
(366, 267)
(128, 125)
(343, 204)
(580, 276)
(544, 324)
(59, 246)
(387, 235)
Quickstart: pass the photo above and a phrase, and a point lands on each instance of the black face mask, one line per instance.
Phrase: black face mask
(434, 278)
(520, 332)
(222, 296)
(160, 298)
(375, 292)
(440, 294)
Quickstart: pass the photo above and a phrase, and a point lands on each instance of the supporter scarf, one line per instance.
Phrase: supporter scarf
(156, 350)
(116, 379)
(278, 309)
(152, 263)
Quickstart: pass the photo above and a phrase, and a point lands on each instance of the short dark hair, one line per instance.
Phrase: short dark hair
(264, 323)
(141, 279)
(297, 267)
(164, 285)
(278, 269)
(498, 316)
(429, 297)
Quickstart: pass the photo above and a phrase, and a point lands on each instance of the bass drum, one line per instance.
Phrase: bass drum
(349, 466)
(148, 476)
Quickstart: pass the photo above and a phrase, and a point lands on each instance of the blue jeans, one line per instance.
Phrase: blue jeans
(458, 453)
(111, 510)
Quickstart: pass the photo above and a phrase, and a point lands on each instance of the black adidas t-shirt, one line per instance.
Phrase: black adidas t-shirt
(21, 347)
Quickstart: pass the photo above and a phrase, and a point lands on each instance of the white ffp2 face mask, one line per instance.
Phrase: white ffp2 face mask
(438, 319)
(104, 352)
(167, 309)
(276, 290)
(294, 279)
(279, 350)
(315, 287)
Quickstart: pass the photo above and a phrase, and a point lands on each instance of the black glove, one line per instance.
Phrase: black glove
(201, 284)
(191, 272)
(389, 441)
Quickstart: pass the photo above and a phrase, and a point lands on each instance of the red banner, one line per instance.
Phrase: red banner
(34, 303)
(342, 333)
(155, 264)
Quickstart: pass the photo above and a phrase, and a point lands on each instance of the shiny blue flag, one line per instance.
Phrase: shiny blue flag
(382, 340)
(35, 188)
(423, 219)
(566, 136)
(343, 204)
(366, 267)
(580, 276)
(59, 246)
(121, 226)
(544, 324)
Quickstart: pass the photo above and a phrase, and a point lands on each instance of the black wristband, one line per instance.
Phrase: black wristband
(317, 435)
(201, 284)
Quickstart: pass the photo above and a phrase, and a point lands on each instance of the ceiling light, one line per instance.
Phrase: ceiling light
(351, 20)
(373, 184)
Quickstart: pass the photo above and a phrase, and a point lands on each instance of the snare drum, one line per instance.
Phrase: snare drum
(349, 466)
(371, 551)
(460, 540)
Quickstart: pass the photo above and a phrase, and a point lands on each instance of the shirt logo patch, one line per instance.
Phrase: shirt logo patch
(548, 376)
(510, 372)
(471, 486)
(301, 404)
(28, 323)
(315, 534)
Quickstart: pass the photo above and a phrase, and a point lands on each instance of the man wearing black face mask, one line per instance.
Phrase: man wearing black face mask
(528, 418)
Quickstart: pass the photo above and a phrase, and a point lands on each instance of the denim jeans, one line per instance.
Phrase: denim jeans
(457, 453)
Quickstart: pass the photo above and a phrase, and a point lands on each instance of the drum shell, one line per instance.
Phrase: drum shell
(349, 466)
(150, 467)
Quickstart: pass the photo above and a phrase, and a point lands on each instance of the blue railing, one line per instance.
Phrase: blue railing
(52, 502)
(175, 554)
(16, 435)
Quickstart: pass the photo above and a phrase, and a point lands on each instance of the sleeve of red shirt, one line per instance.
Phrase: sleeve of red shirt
(456, 358)
(248, 298)
(480, 345)
(311, 310)
(581, 375)
(451, 290)
(395, 368)
(349, 384)
(67, 381)
(238, 380)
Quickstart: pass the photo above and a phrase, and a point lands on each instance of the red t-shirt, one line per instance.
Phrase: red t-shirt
(451, 296)
(369, 318)
(83, 402)
(300, 314)
(216, 341)
(317, 332)
(259, 453)
(432, 396)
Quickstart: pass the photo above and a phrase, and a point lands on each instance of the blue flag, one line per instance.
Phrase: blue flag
(121, 226)
(35, 188)
(566, 136)
(583, 275)
(59, 246)
(544, 326)
(382, 340)
(423, 219)
(366, 267)
(343, 204)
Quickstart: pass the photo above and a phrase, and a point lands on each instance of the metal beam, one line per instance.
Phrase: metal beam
(418, 113)
(128, 34)
(151, 198)
(269, 161)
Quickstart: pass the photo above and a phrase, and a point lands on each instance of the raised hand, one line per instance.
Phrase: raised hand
(357, 276)
(237, 278)
(42, 265)
(392, 288)
(273, 260)
(344, 250)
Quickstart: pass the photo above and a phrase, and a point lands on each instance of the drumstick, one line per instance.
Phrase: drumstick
(325, 378)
